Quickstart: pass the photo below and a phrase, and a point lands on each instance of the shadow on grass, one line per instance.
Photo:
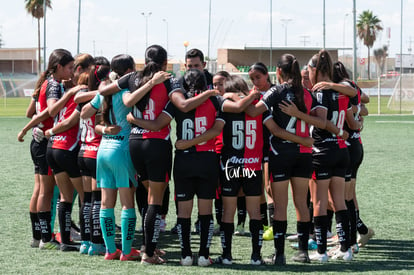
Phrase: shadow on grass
(379, 255)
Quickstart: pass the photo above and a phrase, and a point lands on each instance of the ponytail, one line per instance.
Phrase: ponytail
(39, 83)
(155, 58)
(290, 73)
(323, 63)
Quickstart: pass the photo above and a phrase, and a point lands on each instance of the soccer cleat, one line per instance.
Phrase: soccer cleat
(113, 256)
(332, 241)
(268, 233)
(301, 257)
(224, 260)
(74, 234)
(134, 255)
(316, 257)
(292, 238)
(311, 245)
(355, 248)
(52, 245)
(58, 238)
(337, 254)
(159, 252)
(203, 261)
(364, 238)
(187, 261)
(279, 260)
(239, 230)
(329, 234)
(146, 260)
(84, 247)
(97, 249)
(256, 260)
(163, 225)
(34, 243)
(71, 246)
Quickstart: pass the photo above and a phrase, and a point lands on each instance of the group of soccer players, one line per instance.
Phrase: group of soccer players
(101, 127)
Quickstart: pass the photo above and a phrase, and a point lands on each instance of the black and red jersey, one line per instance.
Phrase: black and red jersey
(272, 99)
(356, 100)
(90, 140)
(219, 143)
(150, 107)
(243, 141)
(50, 89)
(336, 105)
(196, 122)
(68, 140)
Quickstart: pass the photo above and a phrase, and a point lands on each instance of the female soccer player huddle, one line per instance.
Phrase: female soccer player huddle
(100, 127)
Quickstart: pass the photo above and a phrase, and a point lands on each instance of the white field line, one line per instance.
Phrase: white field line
(395, 121)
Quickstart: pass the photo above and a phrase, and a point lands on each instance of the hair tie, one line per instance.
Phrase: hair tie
(96, 73)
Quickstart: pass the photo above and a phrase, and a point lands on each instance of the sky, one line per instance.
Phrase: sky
(112, 27)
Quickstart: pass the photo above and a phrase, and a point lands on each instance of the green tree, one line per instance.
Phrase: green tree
(368, 26)
(35, 8)
(380, 55)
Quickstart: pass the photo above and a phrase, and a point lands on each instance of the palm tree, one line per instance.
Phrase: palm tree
(368, 27)
(380, 55)
(35, 8)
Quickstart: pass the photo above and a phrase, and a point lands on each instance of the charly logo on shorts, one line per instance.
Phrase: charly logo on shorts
(237, 171)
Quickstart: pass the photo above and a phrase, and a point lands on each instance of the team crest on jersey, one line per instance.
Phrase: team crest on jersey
(335, 96)
(319, 96)
(290, 97)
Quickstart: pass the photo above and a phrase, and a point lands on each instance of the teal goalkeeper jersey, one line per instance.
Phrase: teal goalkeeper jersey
(117, 116)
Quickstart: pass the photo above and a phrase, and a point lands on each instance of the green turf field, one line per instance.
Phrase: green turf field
(385, 191)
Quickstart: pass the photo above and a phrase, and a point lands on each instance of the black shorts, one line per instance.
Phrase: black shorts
(356, 154)
(330, 161)
(152, 158)
(87, 167)
(38, 152)
(63, 161)
(252, 184)
(288, 164)
(195, 173)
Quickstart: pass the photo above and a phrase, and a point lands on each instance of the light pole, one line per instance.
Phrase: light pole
(44, 39)
(354, 38)
(186, 43)
(343, 38)
(166, 23)
(146, 15)
(209, 27)
(271, 38)
(79, 15)
(323, 25)
(285, 24)
(401, 52)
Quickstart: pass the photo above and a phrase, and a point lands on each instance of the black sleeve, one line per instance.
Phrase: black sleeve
(271, 97)
(53, 90)
(128, 81)
(170, 109)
